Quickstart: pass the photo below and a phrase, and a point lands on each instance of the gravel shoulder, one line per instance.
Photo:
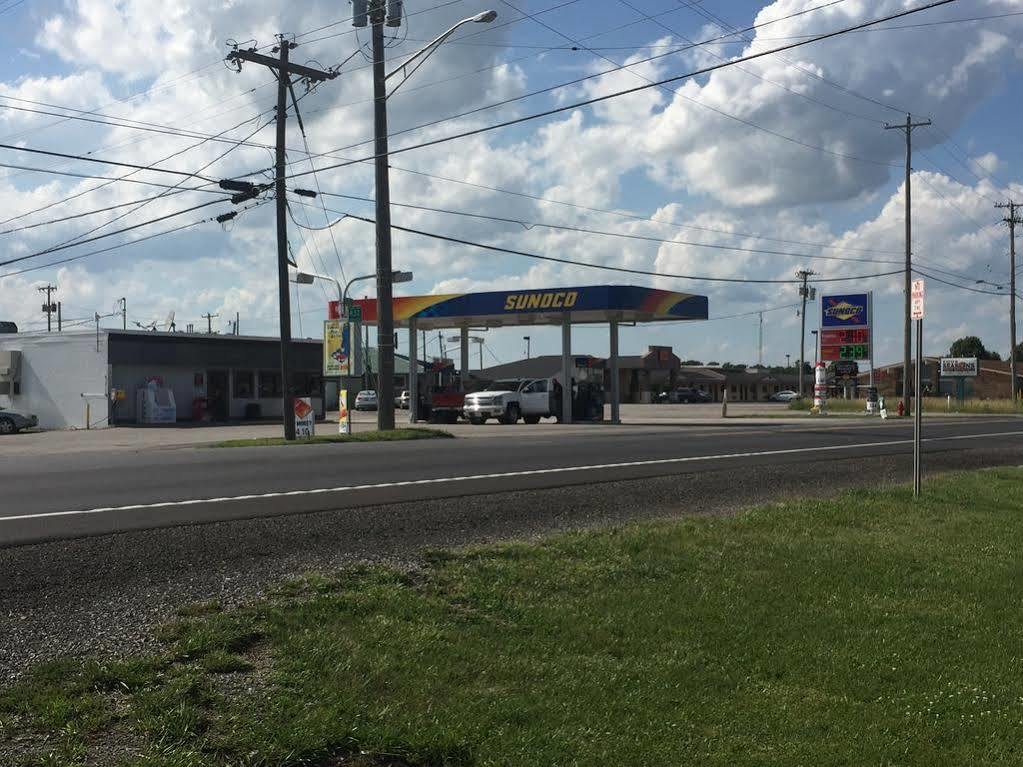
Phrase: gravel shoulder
(104, 595)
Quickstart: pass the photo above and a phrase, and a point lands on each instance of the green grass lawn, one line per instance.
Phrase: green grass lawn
(863, 630)
(392, 435)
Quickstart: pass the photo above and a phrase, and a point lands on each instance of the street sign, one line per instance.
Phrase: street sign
(848, 310)
(917, 300)
(354, 313)
(959, 367)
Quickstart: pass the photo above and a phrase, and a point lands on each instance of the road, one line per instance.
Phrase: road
(86, 494)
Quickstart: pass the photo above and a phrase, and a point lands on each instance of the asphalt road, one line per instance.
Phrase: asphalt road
(68, 496)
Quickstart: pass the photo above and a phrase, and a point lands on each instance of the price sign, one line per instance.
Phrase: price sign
(834, 352)
(844, 337)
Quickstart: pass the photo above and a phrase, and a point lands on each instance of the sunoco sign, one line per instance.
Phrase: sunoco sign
(959, 367)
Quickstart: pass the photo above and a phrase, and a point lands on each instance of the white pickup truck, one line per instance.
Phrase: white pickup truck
(510, 400)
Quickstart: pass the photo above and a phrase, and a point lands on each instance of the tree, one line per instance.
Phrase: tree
(692, 363)
(1019, 352)
(972, 346)
(733, 367)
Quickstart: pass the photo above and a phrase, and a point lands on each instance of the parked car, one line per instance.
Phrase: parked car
(685, 395)
(785, 395)
(366, 400)
(402, 400)
(12, 422)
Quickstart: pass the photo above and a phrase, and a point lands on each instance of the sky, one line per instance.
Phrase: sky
(750, 172)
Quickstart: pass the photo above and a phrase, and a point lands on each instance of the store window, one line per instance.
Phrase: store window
(269, 384)
(244, 384)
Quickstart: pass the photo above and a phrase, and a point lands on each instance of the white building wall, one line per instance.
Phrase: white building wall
(57, 369)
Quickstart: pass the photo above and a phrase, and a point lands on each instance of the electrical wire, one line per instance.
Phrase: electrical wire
(619, 269)
(640, 88)
(169, 193)
(86, 175)
(83, 158)
(111, 234)
(81, 256)
(623, 235)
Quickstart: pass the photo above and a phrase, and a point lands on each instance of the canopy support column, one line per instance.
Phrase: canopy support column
(566, 369)
(463, 352)
(413, 372)
(616, 395)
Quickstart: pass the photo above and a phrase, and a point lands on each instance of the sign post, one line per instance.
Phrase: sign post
(917, 313)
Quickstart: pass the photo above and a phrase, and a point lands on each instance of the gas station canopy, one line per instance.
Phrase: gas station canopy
(551, 306)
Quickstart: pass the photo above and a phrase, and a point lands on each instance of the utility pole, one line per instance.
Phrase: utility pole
(804, 292)
(237, 323)
(49, 307)
(60, 322)
(284, 69)
(124, 312)
(378, 15)
(907, 330)
(209, 321)
(1012, 219)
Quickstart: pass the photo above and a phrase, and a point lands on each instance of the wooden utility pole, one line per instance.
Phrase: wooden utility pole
(284, 70)
(804, 292)
(907, 330)
(209, 321)
(1012, 219)
(49, 307)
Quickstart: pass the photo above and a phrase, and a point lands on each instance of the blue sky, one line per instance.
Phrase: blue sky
(786, 148)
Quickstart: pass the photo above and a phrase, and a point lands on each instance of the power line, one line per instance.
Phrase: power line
(584, 230)
(83, 158)
(111, 234)
(137, 240)
(86, 175)
(617, 68)
(98, 210)
(621, 269)
(640, 88)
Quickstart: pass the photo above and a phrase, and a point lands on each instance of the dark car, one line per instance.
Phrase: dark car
(12, 423)
(685, 395)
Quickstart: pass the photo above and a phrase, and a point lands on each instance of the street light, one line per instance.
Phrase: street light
(378, 13)
(816, 348)
(526, 339)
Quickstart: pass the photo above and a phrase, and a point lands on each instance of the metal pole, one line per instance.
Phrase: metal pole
(908, 276)
(284, 294)
(870, 334)
(1012, 303)
(385, 309)
(566, 369)
(918, 409)
(413, 375)
(463, 355)
(616, 393)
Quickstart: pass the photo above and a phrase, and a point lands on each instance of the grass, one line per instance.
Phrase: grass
(393, 435)
(866, 629)
(931, 405)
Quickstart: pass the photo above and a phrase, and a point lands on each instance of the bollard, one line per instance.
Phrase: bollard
(724, 404)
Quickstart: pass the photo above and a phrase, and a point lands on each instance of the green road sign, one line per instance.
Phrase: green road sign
(354, 313)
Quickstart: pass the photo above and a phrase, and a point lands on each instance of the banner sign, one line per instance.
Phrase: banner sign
(344, 415)
(339, 346)
(305, 418)
(658, 304)
(960, 367)
(844, 311)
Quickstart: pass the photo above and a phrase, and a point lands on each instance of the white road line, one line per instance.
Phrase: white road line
(495, 475)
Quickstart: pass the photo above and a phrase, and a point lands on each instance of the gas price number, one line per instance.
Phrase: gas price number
(852, 352)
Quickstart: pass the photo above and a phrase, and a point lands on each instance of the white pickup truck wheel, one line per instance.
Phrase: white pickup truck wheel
(511, 415)
(531, 419)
